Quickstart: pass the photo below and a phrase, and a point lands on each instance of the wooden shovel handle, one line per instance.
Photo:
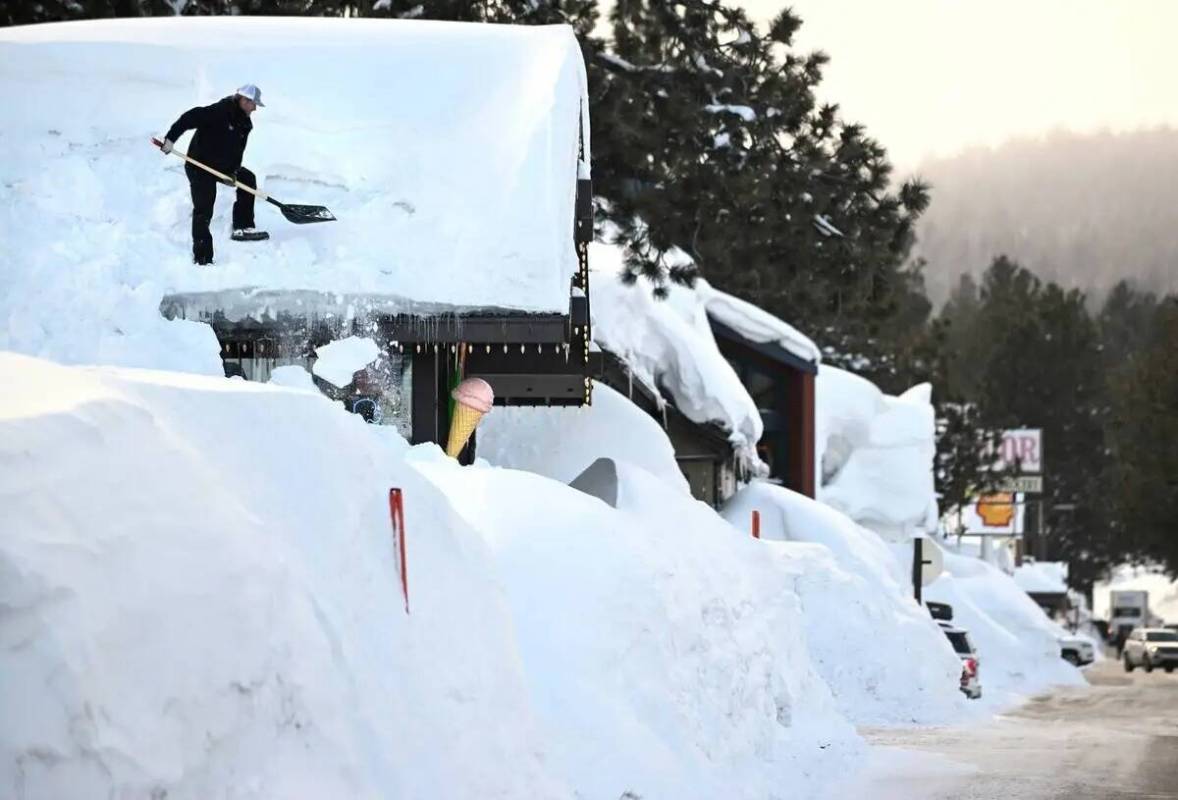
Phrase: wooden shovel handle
(211, 171)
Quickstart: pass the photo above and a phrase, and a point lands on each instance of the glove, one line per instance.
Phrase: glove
(228, 180)
(167, 146)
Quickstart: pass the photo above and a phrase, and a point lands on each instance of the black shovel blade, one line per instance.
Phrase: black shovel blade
(301, 215)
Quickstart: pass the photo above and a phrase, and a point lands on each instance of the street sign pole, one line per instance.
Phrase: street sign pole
(917, 566)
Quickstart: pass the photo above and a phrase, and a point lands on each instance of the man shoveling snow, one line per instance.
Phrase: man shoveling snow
(222, 130)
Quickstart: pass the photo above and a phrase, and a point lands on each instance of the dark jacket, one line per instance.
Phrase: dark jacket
(221, 133)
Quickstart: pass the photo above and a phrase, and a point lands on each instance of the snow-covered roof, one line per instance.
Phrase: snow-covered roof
(756, 324)
(668, 345)
(448, 152)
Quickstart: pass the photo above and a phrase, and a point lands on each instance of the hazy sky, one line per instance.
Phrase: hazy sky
(931, 77)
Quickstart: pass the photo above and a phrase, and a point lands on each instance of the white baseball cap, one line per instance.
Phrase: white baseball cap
(251, 92)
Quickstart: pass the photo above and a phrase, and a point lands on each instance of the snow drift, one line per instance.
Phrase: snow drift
(875, 453)
(1018, 645)
(201, 601)
(881, 654)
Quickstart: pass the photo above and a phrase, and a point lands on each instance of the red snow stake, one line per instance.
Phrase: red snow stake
(397, 515)
(756, 524)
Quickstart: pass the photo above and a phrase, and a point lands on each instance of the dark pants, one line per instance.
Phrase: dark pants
(204, 194)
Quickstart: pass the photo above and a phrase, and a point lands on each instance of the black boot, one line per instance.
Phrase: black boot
(249, 235)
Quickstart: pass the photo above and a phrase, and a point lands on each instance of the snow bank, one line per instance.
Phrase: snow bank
(559, 443)
(447, 151)
(875, 453)
(1042, 577)
(882, 655)
(1163, 592)
(205, 610)
(209, 610)
(665, 651)
(755, 323)
(1018, 645)
(668, 344)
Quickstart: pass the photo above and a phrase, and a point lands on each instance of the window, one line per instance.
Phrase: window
(1130, 612)
(1162, 636)
(960, 642)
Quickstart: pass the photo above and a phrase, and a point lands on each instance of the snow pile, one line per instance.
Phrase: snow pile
(1043, 577)
(875, 453)
(202, 610)
(1018, 645)
(665, 651)
(882, 655)
(669, 346)
(755, 323)
(1163, 591)
(559, 443)
(447, 151)
(196, 610)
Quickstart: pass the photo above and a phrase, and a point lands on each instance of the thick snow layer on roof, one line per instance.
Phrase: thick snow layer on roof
(669, 346)
(755, 323)
(448, 152)
(875, 453)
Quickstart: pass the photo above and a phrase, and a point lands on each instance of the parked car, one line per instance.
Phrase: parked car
(971, 683)
(1149, 648)
(941, 611)
(1076, 650)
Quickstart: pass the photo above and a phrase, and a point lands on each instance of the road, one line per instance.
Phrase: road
(1114, 740)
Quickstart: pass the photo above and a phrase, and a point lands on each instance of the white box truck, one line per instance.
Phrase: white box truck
(1127, 609)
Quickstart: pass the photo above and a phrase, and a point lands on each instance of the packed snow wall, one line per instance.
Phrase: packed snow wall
(203, 602)
(874, 454)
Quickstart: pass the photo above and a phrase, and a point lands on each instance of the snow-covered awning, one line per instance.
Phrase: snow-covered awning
(755, 324)
(670, 349)
(448, 152)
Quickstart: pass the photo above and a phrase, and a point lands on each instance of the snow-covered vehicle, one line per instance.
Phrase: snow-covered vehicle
(1076, 650)
(971, 683)
(1149, 648)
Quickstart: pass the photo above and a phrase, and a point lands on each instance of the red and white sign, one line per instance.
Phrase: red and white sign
(1022, 450)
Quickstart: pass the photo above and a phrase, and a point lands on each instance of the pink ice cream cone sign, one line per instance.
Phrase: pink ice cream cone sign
(474, 393)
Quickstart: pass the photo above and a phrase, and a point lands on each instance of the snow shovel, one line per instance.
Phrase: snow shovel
(299, 215)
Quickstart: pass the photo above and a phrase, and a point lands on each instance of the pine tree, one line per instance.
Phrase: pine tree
(708, 139)
(1143, 431)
